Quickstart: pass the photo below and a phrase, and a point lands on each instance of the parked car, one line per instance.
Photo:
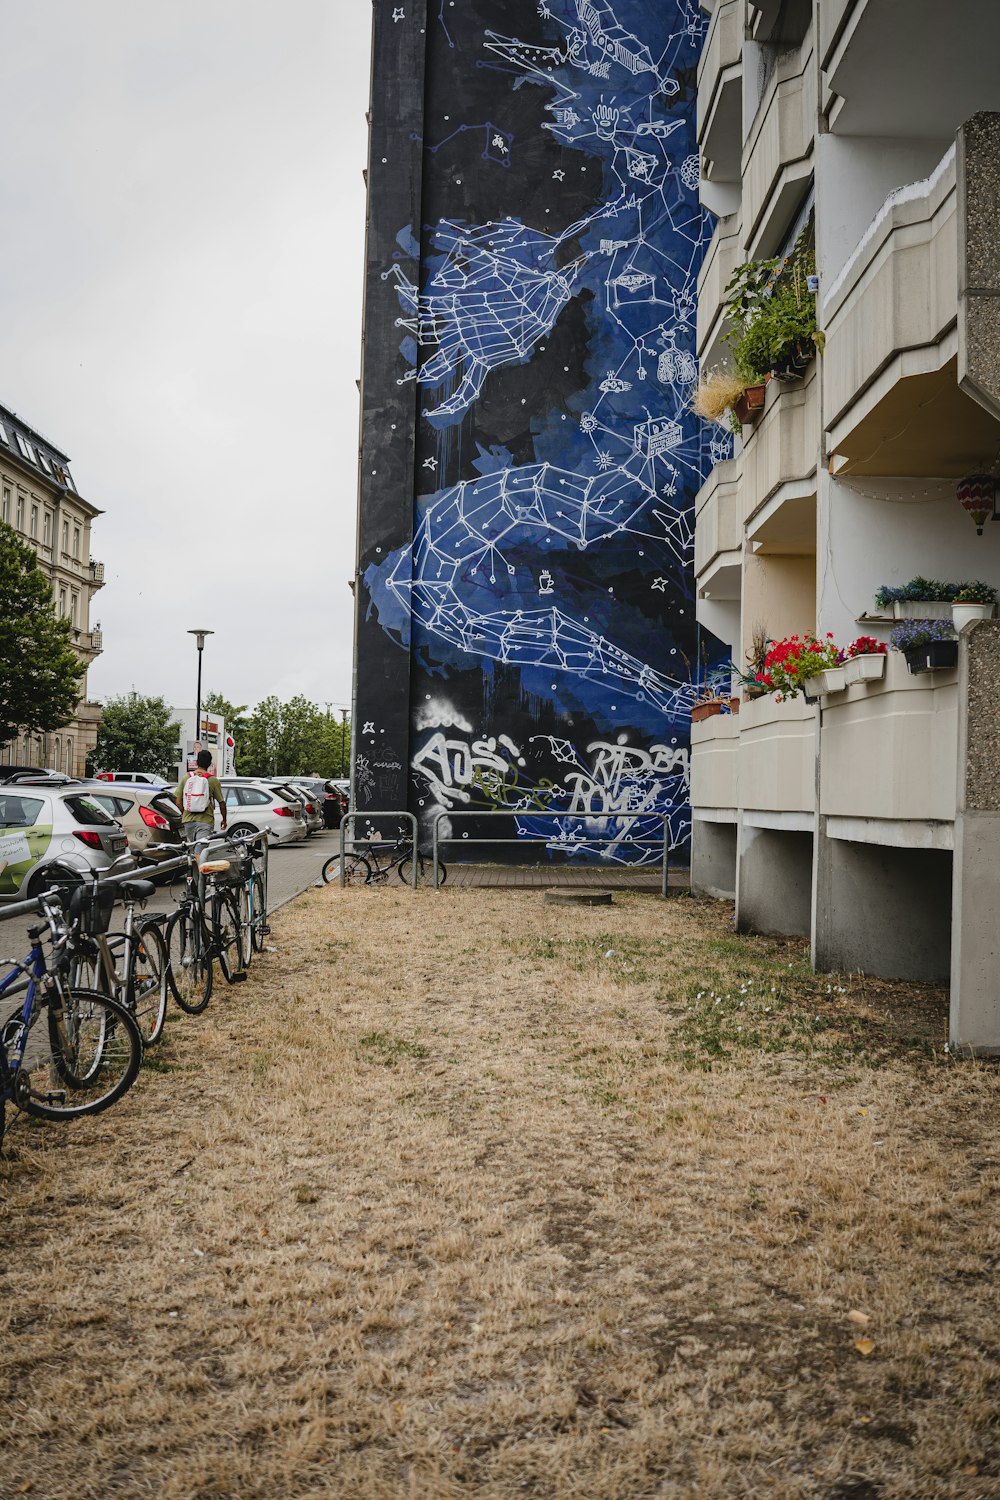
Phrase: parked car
(148, 814)
(147, 778)
(254, 805)
(328, 802)
(46, 832)
(305, 787)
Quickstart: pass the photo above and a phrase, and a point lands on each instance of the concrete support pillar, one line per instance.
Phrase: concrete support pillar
(975, 961)
(774, 881)
(885, 911)
(713, 859)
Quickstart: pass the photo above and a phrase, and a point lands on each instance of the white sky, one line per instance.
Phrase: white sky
(180, 297)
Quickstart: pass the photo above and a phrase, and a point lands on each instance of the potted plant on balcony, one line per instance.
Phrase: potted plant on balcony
(717, 396)
(920, 599)
(772, 310)
(864, 660)
(928, 645)
(974, 601)
(795, 665)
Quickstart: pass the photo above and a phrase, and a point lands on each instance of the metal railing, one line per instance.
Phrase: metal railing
(352, 818)
(664, 843)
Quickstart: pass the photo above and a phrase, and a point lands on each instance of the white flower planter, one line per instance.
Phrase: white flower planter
(965, 614)
(921, 609)
(812, 686)
(865, 668)
(833, 680)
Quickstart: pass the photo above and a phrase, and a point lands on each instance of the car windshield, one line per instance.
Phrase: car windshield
(86, 810)
(19, 812)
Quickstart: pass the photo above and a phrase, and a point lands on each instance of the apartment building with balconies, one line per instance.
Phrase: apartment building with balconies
(39, 499)
(868, 819)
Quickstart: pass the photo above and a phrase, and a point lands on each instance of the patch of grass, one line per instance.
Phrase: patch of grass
(381, 1047)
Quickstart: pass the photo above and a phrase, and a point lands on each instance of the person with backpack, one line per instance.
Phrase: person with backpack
(195, 795)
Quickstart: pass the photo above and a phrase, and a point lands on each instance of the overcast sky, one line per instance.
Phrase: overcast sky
(180, 298)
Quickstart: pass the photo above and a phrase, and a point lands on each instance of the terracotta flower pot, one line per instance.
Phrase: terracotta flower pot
(715, 706)
(750, 405)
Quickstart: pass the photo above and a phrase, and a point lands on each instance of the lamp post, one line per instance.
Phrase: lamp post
(199, 636)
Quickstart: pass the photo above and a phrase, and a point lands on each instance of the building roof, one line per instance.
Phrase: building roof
(31, 449)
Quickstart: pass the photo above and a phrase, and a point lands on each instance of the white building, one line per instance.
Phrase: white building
(869, 820)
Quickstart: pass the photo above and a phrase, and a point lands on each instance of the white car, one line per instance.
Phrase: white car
(147, 778)
(253, 805)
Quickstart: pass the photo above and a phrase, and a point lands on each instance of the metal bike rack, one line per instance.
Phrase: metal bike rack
(352, 818)
(540, 839)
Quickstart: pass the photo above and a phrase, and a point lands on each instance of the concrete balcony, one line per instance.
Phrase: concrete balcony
(96, 575)
(891, 315)
(721, 260)
(777, 154)
(889, 753)
(715, 747)
(777, 762)
(720, 94)
(89, 642)
(779, 462)
(718, 533)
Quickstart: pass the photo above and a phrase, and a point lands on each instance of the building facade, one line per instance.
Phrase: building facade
(526, 639)
(39, 499)
(868, 819)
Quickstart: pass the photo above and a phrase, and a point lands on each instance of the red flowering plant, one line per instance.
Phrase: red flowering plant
(865, 645)
(791, 661)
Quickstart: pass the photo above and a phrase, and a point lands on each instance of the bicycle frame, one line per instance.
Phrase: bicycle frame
(35, 968)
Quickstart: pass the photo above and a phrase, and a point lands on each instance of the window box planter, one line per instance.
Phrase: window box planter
(813, 686)
(964, 614)
(865, 668)
(750, 405)
(709, 710)
(833, 680)
(795, 362)
(921, 609)
(936, 656)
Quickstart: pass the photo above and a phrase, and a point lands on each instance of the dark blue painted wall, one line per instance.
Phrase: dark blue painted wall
(538, 598)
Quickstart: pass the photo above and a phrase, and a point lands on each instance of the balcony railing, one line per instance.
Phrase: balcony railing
(96, 574)
(717, 268)
(718, 533)
(720, 93)
(777, 763)
(777, 155)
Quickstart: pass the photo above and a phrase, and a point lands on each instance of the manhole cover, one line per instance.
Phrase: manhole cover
(577, 898)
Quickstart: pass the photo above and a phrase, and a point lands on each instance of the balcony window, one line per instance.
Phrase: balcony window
(76, 542)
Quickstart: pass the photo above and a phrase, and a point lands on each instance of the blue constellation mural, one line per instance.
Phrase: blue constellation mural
(548, 325)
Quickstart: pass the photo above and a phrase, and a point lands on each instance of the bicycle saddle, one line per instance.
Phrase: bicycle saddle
(137, 890)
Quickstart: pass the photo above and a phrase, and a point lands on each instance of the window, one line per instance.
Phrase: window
(65, 542)
(86, 810)
(26, 449)
(34, 522)
(3, 436)
(232, 796)
(19, 812)
(76, 541)
(57, 763)
(62, 604)
(74, 604)
(70, 764)
(44, 462)
(20, 513)
(253, 798)
(47, 528)
(6, 503)
(118, 807)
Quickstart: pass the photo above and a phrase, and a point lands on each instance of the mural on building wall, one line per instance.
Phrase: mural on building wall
(546, 320)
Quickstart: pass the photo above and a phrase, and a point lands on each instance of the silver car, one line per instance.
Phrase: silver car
(47, 834)
(253, 805)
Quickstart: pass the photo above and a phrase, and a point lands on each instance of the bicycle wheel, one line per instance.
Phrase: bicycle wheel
(189, 968)
(258, 914)
(242, 894)
(228, 934)
(83, 1057)
(357, 870)
(425, 869)
(146, 982)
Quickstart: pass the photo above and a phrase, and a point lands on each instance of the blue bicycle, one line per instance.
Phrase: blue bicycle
(64, 1051)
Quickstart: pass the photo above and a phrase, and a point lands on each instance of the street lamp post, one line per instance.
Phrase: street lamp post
(199, 636)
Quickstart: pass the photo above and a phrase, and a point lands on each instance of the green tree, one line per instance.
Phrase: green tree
(137, 734)
(257, 754)
(290, 739)
(235, 714)
(39, 670)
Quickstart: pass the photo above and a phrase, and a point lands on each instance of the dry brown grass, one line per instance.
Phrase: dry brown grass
(465, 1195)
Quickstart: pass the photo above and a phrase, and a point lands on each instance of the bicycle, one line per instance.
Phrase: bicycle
(369, 868)
(131, 965)
(204, 927)
(252, 894)
(89, 1050)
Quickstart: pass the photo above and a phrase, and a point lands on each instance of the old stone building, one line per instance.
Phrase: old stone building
(39, 499)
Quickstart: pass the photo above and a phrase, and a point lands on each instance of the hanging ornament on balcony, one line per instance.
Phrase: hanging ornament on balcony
(975, 496)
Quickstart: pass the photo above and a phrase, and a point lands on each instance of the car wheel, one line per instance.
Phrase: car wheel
(242, 830)
(54, 874)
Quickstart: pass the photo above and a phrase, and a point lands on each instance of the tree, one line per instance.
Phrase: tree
(39, 670)
(233, 713)
(137, 734)
(291, 739)
(258, 753)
